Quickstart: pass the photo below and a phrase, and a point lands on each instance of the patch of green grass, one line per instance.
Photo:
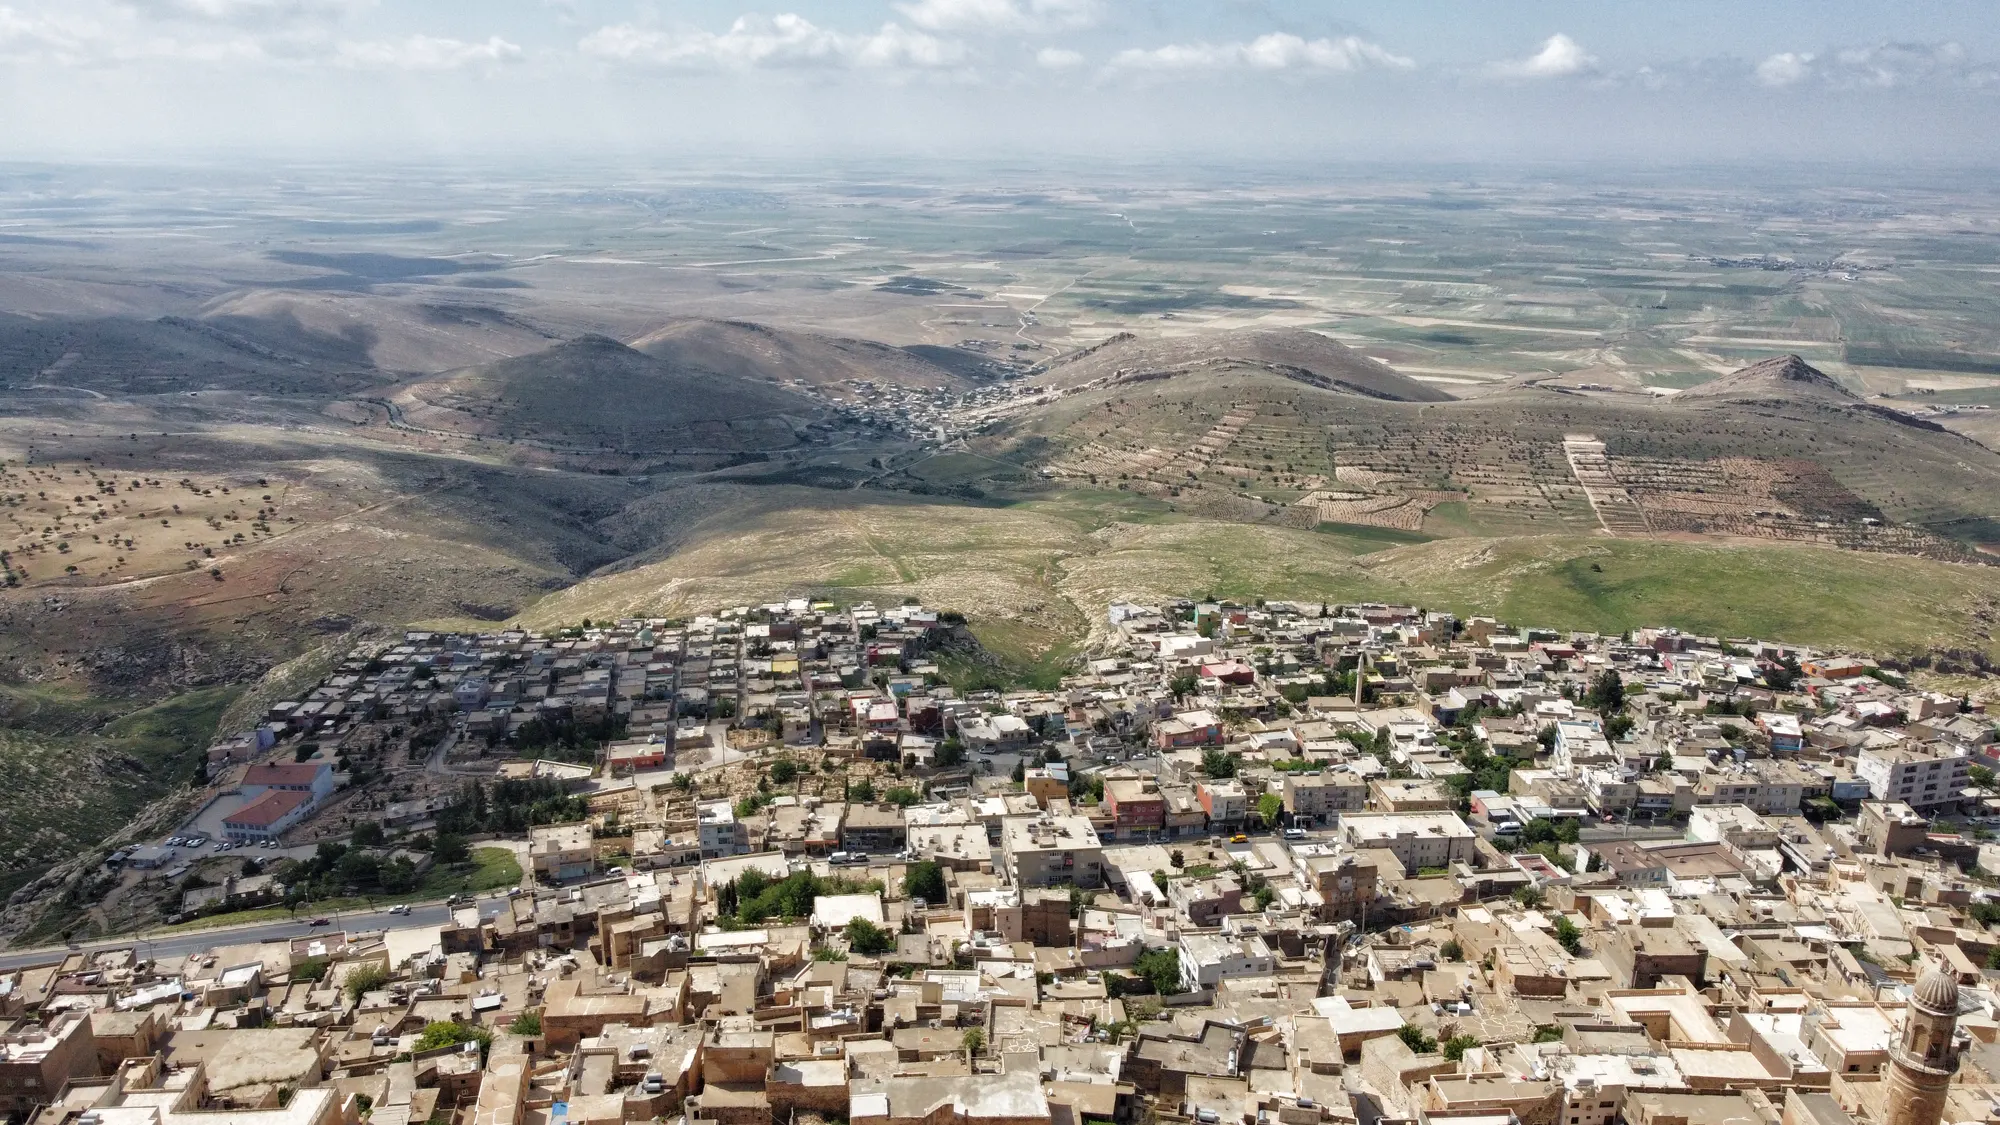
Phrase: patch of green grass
(65, 793)
(491, 869)
(1093, 508)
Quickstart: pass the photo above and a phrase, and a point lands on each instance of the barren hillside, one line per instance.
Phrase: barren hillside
(1308, 357)
(774, 355)
(594, 392)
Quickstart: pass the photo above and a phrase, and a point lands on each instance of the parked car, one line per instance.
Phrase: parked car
(1295, 833)
(844, 859)
(399, 908)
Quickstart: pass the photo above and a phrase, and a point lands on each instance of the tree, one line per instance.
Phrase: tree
(364, 980)
(1530, 897)
(1607, 692)
(1414, 1038)
(902, 796)
(1784, 674)
(1216, 763)
(868, 939)
(368, 834)
(974, 1040)
(925, 880)
(949, 753)
(450, 1033)
(1981, 776)
(1020, 771)
(1269, 808)
(528, 1023)
(1456, 1046)
(1568, 935)
(1452, 951)
(861, 792)
(1618, 726)
(784, 771)
(1160, 968)
(1183, 684)
(450, 848)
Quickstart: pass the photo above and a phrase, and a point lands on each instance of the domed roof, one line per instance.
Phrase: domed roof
(1937, 991)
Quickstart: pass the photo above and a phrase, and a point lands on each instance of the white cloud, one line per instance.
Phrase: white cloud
(1058, 58)
(1888, 65)
(1560, 57)
(25, 35)
(1784, 69)
(425, 52)
(1022, 16)
(1276, 51)
(787, 40)
(248, 13)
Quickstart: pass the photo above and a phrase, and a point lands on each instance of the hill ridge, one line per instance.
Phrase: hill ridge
(1293, 353)
(1786, 376)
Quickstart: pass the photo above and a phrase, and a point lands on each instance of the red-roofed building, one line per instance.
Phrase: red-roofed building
(267, 816)
(315, 779)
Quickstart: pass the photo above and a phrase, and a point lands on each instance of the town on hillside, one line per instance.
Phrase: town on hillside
(1261, 863)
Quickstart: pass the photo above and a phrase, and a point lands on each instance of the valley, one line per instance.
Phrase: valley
(1741, 409)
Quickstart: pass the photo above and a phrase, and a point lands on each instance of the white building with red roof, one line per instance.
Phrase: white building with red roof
(266, 817)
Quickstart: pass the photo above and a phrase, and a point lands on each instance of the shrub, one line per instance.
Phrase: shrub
(868, 939)
(366, 979)
(450, 1033)
(1414, 1038)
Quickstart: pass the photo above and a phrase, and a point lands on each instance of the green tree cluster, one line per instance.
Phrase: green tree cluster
(511, 807)
(868, 939)
(1160, 968)
(756, 897)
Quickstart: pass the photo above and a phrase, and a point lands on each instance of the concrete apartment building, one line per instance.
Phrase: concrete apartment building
(562, 851)
(1225, 802)
(1040, 851)
(1317, 798)
(720, 832)
(36, 1061)
(1207, 959)
(1417, 840)
(1135, 805)
(1917, 778)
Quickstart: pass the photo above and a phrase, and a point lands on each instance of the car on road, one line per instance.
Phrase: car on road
(1239, 838)
(399, 908)
(320, 922)
(844, 859)
(1295, 833)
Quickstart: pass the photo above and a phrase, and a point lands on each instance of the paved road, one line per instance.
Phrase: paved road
(181, 944)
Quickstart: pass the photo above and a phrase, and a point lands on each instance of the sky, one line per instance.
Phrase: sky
(1658, 82)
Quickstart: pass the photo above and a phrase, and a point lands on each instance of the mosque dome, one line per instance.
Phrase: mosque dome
(1938, 991)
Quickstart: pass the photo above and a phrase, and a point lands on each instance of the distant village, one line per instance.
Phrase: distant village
(1263, 863)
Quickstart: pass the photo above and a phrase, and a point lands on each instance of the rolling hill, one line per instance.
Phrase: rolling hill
(1780, 378)
(594, 393)
(1306, 357)
(1777, 452)
(745, 350)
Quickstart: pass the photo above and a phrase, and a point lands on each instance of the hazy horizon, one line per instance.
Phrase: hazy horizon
(1849, 82)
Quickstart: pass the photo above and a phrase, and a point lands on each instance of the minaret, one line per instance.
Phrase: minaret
(1922, 1065)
